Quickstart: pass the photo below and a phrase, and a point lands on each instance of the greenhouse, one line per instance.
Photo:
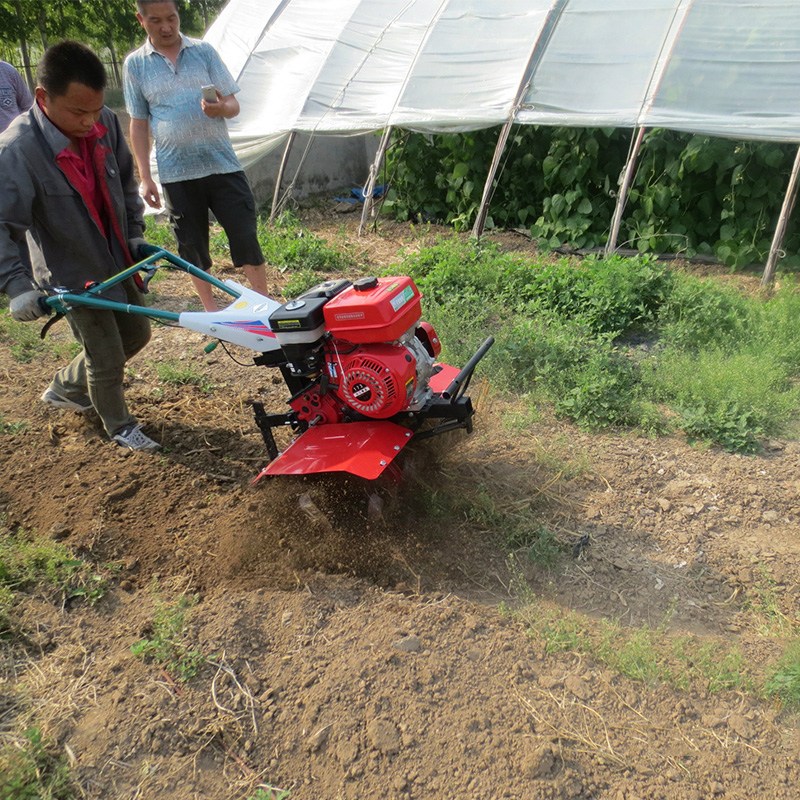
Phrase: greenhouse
(727, 68)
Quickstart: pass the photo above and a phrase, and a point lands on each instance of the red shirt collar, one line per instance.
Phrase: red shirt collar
(97, 130)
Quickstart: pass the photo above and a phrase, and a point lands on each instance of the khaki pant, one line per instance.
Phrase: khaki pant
(109, 339)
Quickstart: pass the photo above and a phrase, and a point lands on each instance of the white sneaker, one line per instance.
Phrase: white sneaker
(80, 403)
(131, 436)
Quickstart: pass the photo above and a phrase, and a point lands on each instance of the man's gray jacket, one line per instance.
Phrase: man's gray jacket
(68, 247)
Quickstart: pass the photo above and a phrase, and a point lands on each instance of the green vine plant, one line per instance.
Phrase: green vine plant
(691, 195)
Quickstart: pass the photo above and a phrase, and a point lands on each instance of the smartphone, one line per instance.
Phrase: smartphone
(209, 93)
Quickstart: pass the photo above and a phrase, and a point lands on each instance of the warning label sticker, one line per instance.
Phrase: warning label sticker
(399, 300)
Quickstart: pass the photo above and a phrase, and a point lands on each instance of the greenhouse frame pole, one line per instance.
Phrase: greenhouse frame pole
(530, 68)
(629, 170)
(374, 169)
(780, 229)
(626, 178)
(488, 187)
(279, 178)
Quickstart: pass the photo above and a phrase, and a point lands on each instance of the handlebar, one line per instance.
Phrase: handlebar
(459, 384)
(61, 301)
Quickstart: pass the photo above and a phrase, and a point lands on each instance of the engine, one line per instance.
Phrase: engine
(356, 350)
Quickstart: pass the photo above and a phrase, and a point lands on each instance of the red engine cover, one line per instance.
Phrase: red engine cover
(382, 312)
(378, 380)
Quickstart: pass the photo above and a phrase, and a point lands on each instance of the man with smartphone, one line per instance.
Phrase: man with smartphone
(178, 90)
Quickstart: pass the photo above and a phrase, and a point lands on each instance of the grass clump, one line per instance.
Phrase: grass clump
(167, 641)
(22, 339)
(632, 653)
(514, 521)
(537, 543)
(699, 313)
(11, 428)
(783, 681)
(32, 769)
(644, 654)
(29, 564)
(176, 373)
(160, 234)
(288, 245)
(763, 601)
(301, 281)
(24, 342)
(730, 398)
(720, 668)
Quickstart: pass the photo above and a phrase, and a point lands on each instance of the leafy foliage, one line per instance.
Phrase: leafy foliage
(620, 342)
(690, 194)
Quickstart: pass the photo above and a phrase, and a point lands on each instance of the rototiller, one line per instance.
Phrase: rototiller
(358, 361)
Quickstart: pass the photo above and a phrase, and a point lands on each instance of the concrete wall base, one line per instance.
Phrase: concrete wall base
(329, 163)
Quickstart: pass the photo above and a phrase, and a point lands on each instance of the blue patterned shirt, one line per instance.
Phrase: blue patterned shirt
(189, 144)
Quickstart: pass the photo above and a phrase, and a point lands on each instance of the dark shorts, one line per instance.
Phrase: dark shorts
(231, 200)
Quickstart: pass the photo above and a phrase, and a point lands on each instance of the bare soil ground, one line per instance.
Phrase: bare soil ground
(367, 655)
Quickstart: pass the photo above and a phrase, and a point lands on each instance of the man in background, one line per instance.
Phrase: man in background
(14, 99)
(197, 167)
(68, 182)
(14, 95)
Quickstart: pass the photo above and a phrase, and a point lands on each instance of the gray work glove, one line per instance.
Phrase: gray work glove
(26, 307)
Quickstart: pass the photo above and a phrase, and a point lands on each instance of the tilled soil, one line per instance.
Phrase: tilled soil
(360, 640)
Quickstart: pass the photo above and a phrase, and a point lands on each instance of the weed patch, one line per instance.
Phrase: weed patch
(31, 769)
(644, 654)
(160, 234)
(11, 428)
(784, 679)
(270, 793)
(176, 373)
(620, 342)
(29, 563)
(167, 641)
(288, 245)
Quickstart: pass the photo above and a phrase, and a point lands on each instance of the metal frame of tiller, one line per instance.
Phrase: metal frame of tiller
(61, 301)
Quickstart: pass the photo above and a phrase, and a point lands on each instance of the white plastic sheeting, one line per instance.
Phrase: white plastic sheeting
(721, 67)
